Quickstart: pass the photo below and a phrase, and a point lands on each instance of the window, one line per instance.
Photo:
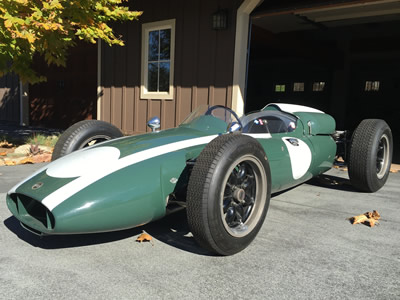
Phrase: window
(298, 87)
(158, 41)
(318, 86)
(280, 88)
(372, 86)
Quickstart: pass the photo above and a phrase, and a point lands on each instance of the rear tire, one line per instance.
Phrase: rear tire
(228, 193)
(83, 134)
(370, 155)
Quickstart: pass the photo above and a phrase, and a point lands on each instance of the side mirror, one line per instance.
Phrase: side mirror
(154, 123)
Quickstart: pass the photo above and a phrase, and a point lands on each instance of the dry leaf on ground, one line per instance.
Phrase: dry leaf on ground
(27, 160)
(358, 219)
(368, 218)
(144, 237)
(5, 144)
(372, 222)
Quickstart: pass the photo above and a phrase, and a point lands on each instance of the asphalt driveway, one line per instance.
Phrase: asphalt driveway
(307, 249)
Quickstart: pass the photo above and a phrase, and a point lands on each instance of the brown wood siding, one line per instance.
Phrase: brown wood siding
(203, 67)
(9, 98)
(70, 93)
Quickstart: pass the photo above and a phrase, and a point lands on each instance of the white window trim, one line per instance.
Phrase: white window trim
(146, 28)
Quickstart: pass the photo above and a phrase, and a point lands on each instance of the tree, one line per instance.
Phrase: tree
(50, 27)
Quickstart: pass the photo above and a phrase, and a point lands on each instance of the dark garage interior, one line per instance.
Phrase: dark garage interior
(341, 57)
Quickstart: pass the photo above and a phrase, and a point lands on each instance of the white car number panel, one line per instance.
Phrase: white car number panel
(300, 156)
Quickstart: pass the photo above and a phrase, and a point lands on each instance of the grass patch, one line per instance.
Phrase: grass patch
(42, 140)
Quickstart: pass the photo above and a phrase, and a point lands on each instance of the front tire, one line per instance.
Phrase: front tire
(228, 193)
(83, 134)
(370, 155)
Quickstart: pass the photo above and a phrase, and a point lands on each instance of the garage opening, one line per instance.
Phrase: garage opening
(341, 57)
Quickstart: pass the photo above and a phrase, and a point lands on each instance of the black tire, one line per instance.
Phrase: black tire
(84, 134)
(370, 155)
(228, 172)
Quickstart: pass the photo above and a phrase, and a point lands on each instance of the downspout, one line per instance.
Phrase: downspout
(23, 104)
(99, 89)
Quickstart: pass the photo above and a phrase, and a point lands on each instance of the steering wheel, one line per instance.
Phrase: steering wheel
(214, 107)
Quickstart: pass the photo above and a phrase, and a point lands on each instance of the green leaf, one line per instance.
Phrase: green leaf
(50, 27)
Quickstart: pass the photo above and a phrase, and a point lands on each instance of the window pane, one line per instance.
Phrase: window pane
(153, 77)
(280, 88)
(298, 87)
(372, 86)
(318, 86)
(153, 45)
(165, 42)
(164, 77)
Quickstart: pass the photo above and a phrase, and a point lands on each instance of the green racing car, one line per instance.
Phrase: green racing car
(221, 168)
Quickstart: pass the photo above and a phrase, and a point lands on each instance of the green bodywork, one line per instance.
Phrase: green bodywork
(138, 193)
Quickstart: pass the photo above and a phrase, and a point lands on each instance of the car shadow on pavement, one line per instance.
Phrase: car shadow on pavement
(172, 230)
(324, 181)
(332, 182)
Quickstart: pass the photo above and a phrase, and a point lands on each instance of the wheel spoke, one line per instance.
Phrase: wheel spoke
(248, 181)
(239, 172)
(239, 216)
(247, 212)
(235, 215)
(249, 200)
(227, 202)
(230, 215)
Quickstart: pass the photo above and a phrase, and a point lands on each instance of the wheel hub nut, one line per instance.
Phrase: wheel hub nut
(239, 195)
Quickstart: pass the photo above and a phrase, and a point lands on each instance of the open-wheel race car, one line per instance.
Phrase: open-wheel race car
(220, 167)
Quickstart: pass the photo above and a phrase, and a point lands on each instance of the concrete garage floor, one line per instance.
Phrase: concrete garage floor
(307, 249)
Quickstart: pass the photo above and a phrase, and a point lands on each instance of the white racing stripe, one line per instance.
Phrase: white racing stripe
(259, 135)
(293, 108)
(300, 157)
(14, 188)
(68, 190)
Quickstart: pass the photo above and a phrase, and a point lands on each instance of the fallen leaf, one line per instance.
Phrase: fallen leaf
(10, 163)
(358, 219)
(368, 218)
(27, 160)
(376, 215)
(144, 237)
(5, 144)
(3, 153)
(372, 222)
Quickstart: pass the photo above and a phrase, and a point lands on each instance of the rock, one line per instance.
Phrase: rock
(22, 150)
(46, 149)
